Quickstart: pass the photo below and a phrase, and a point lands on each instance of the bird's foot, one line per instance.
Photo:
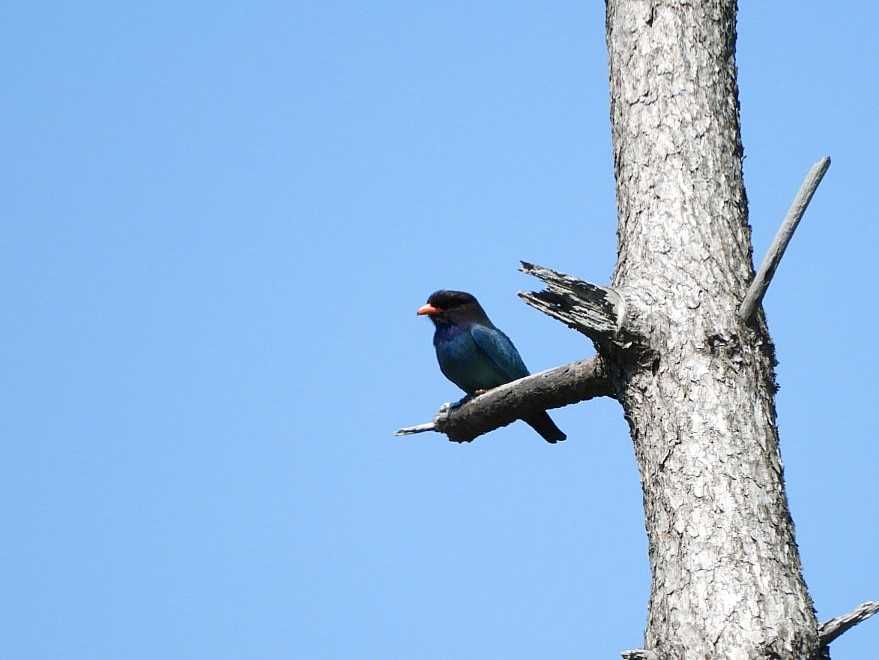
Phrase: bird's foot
(456, 404)
(462, 401)
(442, 415)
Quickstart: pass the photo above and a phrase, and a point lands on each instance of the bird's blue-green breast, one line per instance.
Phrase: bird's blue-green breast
(476, 363)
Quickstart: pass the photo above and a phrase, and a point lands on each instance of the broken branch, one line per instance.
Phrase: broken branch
(596, 311)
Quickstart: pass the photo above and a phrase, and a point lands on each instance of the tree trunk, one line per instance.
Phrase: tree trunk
(683, 345)
(699, 398)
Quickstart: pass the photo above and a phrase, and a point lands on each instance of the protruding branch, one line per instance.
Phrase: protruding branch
(830, 630)
(422, 428)
(779, 244)
(596, 311)
(503, 405)
(639, 654)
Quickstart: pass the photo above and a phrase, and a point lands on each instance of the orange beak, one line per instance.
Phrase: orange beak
(428, 310)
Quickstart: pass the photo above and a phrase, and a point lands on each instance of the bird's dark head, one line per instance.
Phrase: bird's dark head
(452, 307)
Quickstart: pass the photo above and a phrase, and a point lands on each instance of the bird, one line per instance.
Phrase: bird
(474, 354)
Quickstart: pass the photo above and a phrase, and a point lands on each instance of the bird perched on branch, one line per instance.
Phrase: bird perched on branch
(474, 354)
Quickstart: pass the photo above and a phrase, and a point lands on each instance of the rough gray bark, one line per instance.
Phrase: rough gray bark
(727, 581)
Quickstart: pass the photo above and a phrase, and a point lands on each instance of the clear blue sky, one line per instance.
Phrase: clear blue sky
(218, 221)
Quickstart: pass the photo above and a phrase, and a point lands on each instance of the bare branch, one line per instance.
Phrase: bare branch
(594, 310)
(830, 630)
(779, 244)
(419, 428)
(553, 388)
(639, 654)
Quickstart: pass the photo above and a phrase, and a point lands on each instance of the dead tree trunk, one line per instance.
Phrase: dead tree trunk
(726, 571)
(683, 346)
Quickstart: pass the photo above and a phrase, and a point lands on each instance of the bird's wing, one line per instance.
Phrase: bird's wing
(498, 348)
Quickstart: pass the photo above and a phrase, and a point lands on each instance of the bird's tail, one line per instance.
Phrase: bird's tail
(543, 424)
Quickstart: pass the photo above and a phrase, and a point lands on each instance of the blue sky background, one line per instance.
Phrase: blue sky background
(218, 221)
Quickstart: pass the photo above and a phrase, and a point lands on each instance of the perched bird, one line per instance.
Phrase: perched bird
(474, 354)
